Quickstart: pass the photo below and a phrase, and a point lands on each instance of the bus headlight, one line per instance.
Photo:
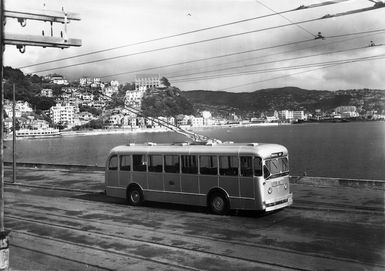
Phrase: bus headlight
(270, 190)
(285, 186)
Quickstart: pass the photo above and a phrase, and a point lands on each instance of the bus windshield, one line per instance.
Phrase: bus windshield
(276, 167)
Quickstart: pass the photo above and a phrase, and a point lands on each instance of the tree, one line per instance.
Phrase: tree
(165, 82)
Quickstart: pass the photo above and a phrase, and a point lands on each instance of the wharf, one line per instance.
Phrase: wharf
(60, 219)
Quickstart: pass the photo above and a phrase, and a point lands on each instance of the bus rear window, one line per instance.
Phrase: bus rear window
(139, 162)
(208, 165)
(155, 163)
(113, 164)
(171, 163)
(189, 164)
(228, 165)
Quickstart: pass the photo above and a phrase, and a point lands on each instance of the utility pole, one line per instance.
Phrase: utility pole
(21, 41)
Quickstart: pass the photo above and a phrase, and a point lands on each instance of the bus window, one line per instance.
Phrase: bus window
(171, 163)
(155, 163)
(246, 166)
(113, 164)
(139, 162)
(125, 162)
(257, 166)
(228, 165)
(208, 165)
(189, 164)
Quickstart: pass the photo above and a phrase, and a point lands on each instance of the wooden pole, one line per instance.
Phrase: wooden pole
(14, 135)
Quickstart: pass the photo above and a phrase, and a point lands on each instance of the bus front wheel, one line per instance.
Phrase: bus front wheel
(218, 204)
(135, 196)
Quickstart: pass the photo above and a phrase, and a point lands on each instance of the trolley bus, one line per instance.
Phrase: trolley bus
(220, 176)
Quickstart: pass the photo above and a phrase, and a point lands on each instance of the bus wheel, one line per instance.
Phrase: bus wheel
(218, 204)
(135, 196)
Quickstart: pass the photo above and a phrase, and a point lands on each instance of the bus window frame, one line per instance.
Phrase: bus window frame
(144, 163)
(149, 163)
(120, 162)
(117, 162)
(179, 164)
(217, 165)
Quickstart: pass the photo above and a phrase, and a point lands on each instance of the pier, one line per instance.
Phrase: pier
(60, 219)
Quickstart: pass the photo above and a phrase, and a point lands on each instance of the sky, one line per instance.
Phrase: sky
(269, 56)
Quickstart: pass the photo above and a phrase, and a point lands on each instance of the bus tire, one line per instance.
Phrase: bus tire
(135, 195)
(218, 203)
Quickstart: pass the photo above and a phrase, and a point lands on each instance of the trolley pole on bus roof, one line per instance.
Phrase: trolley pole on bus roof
(21, 41)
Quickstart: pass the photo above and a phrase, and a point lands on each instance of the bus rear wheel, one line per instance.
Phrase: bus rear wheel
(218, 204)
(135, 196)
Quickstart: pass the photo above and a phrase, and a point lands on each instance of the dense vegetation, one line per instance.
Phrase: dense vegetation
(27, 88)
(167, 102)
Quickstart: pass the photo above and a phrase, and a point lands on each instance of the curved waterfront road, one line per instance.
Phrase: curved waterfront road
(60, 220)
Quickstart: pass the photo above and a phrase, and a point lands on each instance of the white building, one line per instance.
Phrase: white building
(46, 92)
(134, 98)
(109, 91)
(23, 107)
(62, 113)
(146, 81)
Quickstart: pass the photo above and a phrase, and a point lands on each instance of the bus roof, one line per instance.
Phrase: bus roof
(262, 150)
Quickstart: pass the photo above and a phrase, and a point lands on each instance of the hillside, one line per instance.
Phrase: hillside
(290, 98)
(167, 102)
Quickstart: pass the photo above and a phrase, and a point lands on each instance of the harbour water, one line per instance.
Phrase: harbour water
(341, 150)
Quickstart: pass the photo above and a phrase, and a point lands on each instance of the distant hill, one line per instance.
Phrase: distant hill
(290, 98)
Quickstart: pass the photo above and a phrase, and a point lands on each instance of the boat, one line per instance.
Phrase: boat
(38, 133)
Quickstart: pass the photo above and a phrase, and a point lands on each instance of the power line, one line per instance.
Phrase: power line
(368, 33)
(299, 26)
(273, 61)
(331, 64)
(208, 40)
(187, 33)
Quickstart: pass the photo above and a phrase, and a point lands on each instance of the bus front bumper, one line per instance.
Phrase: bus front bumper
(278, 203)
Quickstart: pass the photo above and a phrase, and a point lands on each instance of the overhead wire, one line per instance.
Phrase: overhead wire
(272, 61)
(208, 40)
(367, 33)
(326, 3)
(330, 64)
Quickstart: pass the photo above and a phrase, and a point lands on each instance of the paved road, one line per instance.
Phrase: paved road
(60, 220)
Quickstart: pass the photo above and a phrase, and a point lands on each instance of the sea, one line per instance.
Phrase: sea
(352, 150)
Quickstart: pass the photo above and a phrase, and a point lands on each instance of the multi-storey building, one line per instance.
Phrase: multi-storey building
(46, 92)
(62, 114)
(133, 98)
(146, 81)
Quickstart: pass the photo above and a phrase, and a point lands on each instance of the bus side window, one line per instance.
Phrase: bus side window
(171, 163)
(257, 166)
(125, 162)
(113, 164)
(155, 163)
(246, 166)
(208, 165)
(189, 164)
(228, 165)
(139, 162)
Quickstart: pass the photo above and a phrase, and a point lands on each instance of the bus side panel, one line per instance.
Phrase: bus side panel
(259, 192)
(171, 182)
(117, 192)
(140, 178)
(230, 184)
(246, 185)
(155, 181)
(190, 183)
(124, 178)
(175, 197)
(112, 177)
(206, 182)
